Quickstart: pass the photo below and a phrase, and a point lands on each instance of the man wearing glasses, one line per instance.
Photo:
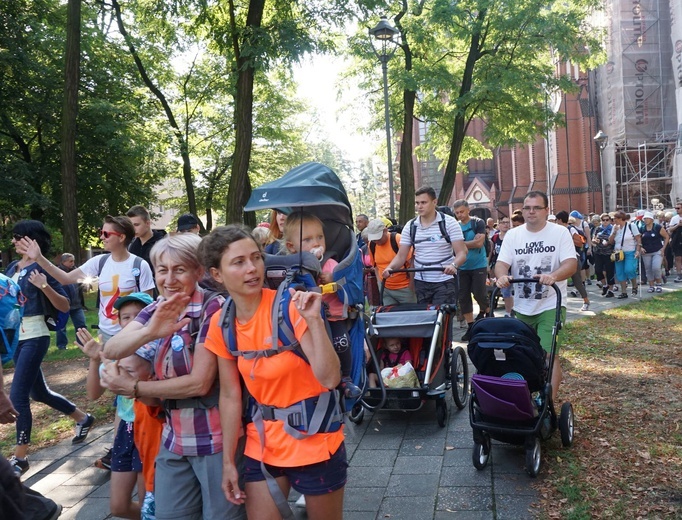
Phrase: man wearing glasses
(675, 232)
(545, 252)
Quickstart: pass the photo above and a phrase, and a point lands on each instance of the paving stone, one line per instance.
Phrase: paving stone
(358, 515)
(386, 428)
(36, 466)
(89, 476)
(460, 439)
(453, 476)
(363, 499)
(69, 465)
(417, 465)
(427, 446)
(513, 507)
(374, 458)
(55, 452)
(429, 430)
(514, 484)
(69, 496)
(464, 515)
(457, 457)
(50, 481)
(380, 442)
(88, 509)
(363, 476)
(464, 499)
(104, 490)
(412, 486)
(407, 508)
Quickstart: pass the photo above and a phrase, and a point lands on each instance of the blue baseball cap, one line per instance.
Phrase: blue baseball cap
(140, 297)
(576, 214)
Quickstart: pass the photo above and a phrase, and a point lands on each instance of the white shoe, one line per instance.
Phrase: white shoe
(301, 502)
(585, 307)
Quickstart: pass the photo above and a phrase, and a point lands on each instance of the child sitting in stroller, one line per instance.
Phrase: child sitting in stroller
(305, 232)
(393, 354)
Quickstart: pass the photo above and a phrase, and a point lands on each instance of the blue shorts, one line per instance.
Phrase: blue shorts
(124, 455)
(314, 479)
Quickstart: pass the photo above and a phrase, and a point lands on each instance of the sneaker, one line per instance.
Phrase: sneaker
(615, 288)
(622, 296)
(589, 282)
(658, 289)
(600, 285)
(678, 279)
(585, 307)
(650, 289)
(104, 462)
(301, 501)
(605, 290)
(480, 316)
(467, 335)
(634, 291)
(574, 294)
(609, 295)
(82, 429)
(350, 390)
(20, 466)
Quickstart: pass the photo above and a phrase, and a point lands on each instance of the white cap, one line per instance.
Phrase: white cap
(375, 229)
(551, 217)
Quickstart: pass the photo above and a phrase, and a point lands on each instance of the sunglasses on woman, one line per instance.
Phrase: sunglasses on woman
(17, 237)
(107, 234)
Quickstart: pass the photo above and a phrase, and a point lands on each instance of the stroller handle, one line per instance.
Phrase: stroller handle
(528, 280)
(407, 270)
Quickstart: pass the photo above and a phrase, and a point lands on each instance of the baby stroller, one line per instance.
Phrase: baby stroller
(511, 395)
(316, 189)
(425, 331)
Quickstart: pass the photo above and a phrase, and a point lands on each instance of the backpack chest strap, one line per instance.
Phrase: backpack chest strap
(256, 354)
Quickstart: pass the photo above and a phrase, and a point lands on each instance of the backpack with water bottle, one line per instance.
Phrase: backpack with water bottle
(11, 311)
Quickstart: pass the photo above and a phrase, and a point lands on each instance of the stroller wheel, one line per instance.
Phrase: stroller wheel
(441, 412)
(357, 414)
(481, 453)
(459, 374)
(533, 458)
(566, 424)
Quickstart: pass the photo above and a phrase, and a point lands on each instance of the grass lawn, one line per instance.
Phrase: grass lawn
(623, 375)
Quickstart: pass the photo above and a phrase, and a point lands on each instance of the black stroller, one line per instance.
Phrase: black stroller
(511, 395)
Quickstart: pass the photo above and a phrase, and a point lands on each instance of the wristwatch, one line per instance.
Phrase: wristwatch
(44, 286)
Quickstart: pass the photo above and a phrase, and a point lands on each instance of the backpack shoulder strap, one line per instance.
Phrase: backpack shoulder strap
(394, 241)
(443, 228)
(102, 260)
(413, 230)
(137, 266)
(373, 249)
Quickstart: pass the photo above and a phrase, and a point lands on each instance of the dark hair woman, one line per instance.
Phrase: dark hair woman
(626, 237)
(313, 463)
(39, 288)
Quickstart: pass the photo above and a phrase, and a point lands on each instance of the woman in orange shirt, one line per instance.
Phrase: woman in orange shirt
(314, 465)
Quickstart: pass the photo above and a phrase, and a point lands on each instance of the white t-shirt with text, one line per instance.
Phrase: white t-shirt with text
(533, 253)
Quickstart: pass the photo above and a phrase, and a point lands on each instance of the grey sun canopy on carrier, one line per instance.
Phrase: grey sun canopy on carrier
(411, 324)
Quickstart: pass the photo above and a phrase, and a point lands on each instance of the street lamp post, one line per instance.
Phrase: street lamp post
(602, 140)
(385, 48)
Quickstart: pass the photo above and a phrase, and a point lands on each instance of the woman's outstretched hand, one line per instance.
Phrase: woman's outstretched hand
(29, 248)
(164, 322)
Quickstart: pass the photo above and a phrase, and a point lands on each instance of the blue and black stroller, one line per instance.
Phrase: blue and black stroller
(511, 395)
(315, 188)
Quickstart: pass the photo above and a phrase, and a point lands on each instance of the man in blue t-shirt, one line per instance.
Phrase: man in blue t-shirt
(473, 273)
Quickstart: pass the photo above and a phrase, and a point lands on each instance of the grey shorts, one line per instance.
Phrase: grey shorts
(190, 488)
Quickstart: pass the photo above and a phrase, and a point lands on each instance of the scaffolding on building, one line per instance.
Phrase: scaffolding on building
(644, 173)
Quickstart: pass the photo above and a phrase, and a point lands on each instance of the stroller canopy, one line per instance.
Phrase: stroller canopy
(311, 186)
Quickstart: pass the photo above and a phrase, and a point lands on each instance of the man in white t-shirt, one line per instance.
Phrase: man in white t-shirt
(438, 242)
(675, 232)
(545, 252)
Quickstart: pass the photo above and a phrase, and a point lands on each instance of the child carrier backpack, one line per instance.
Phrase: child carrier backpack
(11, 311)
(319, 414)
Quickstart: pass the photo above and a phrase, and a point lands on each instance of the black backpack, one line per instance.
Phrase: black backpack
(441, 225)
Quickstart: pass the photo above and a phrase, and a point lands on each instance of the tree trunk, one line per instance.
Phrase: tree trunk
(406, 163)
(69, 117)
(182, 142)
(239, 190)
(460, 125)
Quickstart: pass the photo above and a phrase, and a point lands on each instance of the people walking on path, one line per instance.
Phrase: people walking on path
(189, 465)
(625, 238)
(74, 292)
(654, 241)
(438, 242)
(579, 243)
(546, 252)
(473, 273)
(313, 464)
(601, 249)
(43, 292)
(119, 273)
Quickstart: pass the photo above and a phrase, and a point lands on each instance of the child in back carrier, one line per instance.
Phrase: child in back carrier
(305, 232)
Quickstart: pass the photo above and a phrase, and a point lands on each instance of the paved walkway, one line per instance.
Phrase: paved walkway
(402, 466)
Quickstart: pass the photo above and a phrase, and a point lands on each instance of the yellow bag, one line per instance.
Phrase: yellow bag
(617, 256)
